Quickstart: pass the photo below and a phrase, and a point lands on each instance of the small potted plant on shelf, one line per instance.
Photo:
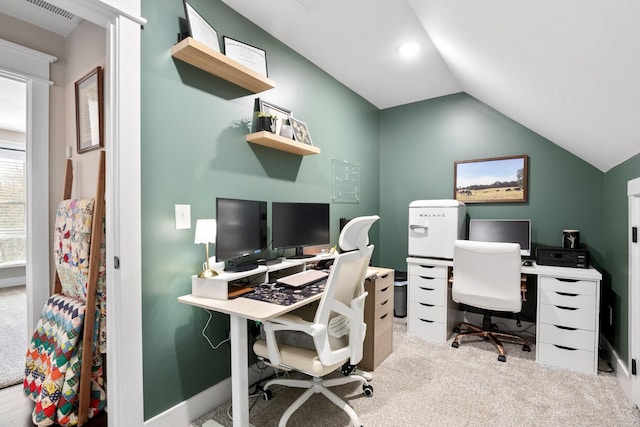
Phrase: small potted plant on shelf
(266, 122)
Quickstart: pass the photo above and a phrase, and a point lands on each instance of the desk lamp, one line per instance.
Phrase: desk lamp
(206, 233)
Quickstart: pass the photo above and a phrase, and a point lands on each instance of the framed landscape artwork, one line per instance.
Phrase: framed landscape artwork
(493, 180)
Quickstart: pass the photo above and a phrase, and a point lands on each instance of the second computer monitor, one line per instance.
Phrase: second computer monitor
(502, 230)
(296, 225)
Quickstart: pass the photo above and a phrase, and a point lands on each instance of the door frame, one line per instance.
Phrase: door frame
(633, 192)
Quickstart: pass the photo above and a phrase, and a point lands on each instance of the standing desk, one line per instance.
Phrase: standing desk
(567, 312)
(240, 310)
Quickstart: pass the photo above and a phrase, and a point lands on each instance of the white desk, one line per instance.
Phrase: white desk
(568, 305)
(240, 310)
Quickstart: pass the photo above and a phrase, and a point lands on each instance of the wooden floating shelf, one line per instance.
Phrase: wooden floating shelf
(201, 56)
(281, 143)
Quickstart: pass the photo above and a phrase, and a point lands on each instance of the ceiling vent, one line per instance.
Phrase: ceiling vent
(54, 9)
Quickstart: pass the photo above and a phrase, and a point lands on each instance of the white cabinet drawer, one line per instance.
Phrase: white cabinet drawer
(573, 338)
(581, 287)
(567, 299)
(581, 318)
(430, 330)
(567, 358)
(428, 270)
(427, 311)
(431, 291)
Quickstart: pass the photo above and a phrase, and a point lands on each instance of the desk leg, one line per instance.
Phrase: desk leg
(239, 370)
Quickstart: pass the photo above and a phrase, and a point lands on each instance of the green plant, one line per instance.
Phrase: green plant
(263, 114)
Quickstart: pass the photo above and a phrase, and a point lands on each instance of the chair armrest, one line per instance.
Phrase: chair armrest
(286, 322)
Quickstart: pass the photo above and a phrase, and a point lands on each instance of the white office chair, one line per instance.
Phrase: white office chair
(337, 327)
(486, 275)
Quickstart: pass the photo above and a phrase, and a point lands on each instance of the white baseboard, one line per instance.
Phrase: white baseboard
(196, 406)
(621, 368)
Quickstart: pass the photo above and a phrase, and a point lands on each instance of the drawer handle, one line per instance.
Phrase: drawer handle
(384, 290)
(567, 280)
(427, 266)
(384, 276)
(427, 321)
(427, 277)
(383, 316)
(566, 294)
(561, 347)
(384, 302)
(566, 308)
(566, 328)
(426, 289)
(424, 304)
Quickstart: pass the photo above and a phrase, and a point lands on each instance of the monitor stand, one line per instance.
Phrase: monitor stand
(300, 255)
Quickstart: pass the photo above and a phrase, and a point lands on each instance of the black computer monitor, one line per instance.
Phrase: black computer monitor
(241, 230)
(295, 225)
(502, 230)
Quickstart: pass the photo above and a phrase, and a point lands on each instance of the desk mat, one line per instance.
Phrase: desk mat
(285, 295)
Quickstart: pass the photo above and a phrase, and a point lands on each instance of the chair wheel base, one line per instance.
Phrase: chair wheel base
(502, 358)
(456, 329)
(526, 348)
(267, 395)
(455, 344)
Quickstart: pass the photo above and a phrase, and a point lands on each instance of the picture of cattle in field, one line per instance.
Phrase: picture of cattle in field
(493, 180)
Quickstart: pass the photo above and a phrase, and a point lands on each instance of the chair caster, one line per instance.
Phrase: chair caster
(456, 329)
(367, 390)
(455, 344)
(267, 395)
(494, 327)
(526, 348)
(502, 358)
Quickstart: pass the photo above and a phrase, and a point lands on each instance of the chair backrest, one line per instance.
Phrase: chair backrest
(341, 309)
(486, 275)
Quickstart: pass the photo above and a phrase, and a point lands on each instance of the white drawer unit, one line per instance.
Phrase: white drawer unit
(429, 312)
(567, 323)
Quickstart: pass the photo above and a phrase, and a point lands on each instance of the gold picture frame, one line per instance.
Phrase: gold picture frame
(492, 180)
(89, 111)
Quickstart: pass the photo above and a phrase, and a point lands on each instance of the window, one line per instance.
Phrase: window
(13, 233)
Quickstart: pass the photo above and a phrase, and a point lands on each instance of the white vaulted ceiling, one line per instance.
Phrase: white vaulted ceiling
(566, 69)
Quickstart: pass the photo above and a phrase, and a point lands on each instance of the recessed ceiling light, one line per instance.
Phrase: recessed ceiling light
(409, 49)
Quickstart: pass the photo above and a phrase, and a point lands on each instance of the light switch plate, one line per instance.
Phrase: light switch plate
(183, 217)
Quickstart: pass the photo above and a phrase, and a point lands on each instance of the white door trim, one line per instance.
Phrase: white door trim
(32, 68)
(633, 192)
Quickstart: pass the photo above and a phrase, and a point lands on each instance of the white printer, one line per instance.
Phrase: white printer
(433, 227)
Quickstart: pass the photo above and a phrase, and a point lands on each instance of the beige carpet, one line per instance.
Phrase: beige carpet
(13, 334)
(425, 384)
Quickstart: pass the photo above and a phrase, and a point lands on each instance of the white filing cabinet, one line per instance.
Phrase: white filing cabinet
(430, 311)
(567, 326)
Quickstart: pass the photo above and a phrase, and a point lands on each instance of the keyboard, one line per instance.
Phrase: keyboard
(303, 278)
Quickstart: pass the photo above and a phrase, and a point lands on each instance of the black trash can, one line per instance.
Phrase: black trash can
(400, 294)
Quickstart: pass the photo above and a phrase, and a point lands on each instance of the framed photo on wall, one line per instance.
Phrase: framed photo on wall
(89, 111)
(262, 106)
(300, 131)
(492, 180)
(200, 29)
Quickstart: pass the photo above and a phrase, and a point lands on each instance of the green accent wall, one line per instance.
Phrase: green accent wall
(194, 150)
(420, 142)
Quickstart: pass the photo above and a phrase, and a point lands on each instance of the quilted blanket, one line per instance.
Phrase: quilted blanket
(72, 240)
(53, 359)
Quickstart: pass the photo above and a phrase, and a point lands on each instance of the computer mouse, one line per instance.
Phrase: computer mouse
(527, 263)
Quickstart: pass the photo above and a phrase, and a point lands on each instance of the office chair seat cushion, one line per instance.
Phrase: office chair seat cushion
(487, 302)
(300, 359)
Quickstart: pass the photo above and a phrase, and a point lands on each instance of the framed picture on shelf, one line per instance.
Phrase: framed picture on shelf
(300, 131)
(262, 106)
(89, 111)
(200, 29)
(492, 180)
(251, 57)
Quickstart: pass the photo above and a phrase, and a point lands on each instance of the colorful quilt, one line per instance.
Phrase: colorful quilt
(72, 241)
(53, 360)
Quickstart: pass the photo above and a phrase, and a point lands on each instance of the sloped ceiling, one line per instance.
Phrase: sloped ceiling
(568, 70)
